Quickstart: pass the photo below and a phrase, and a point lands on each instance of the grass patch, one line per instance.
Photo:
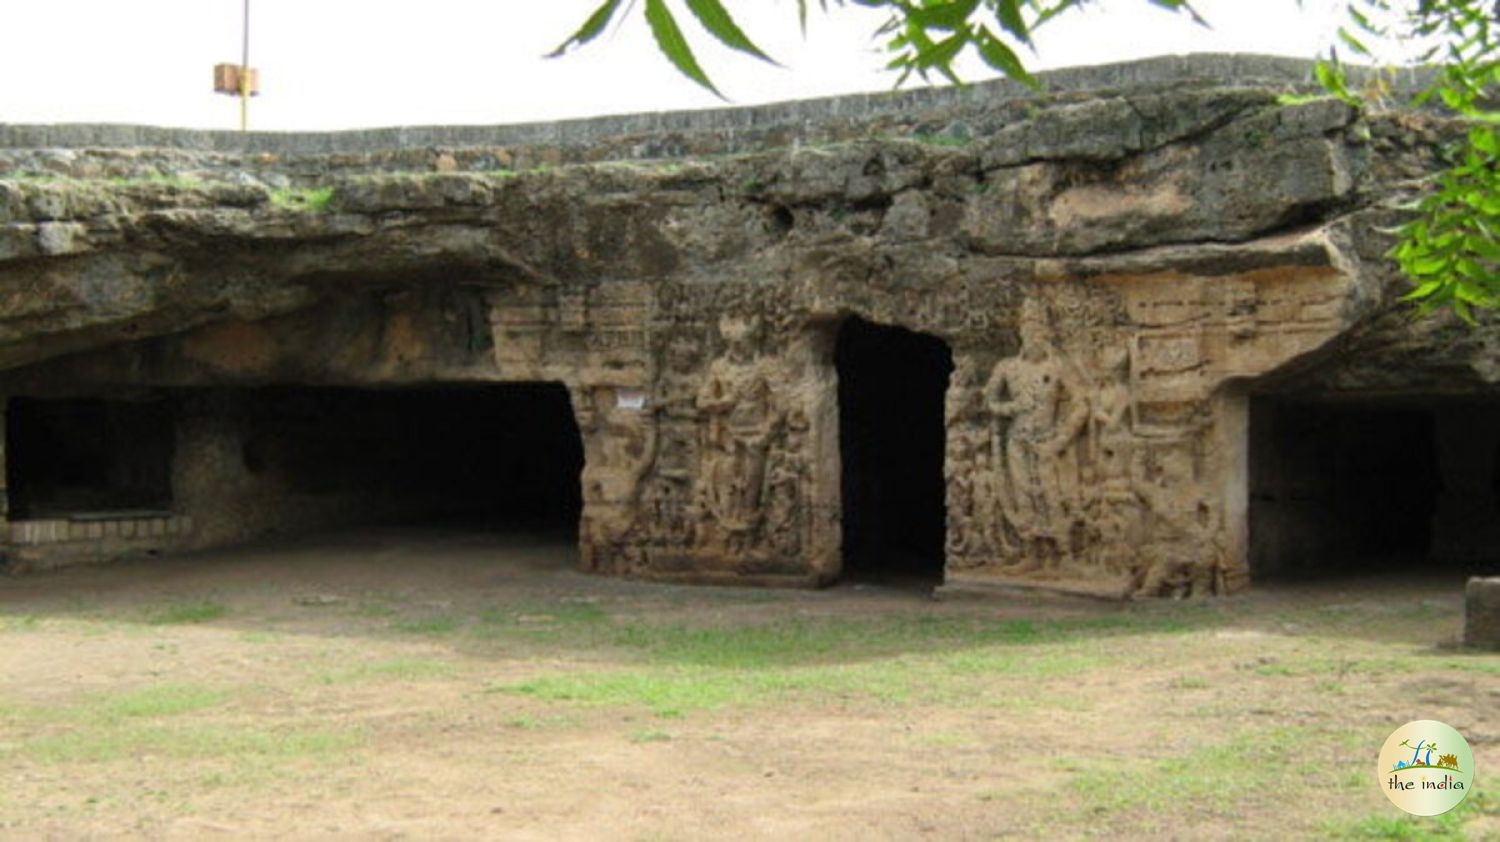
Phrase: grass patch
(172, 180)
(1190, 682)
(1221, 778)
(399, 669)
(433, 626)
(155, 701)
(192, 742)
(186, 613)
(375, 608)
(21, 623)
(1400, 827)
(927, 139)
(923, 659)
(650, 736)
(316, 199)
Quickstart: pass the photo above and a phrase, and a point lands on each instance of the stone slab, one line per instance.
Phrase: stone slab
(1482, 613)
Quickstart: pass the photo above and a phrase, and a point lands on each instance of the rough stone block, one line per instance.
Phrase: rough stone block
(1482, 613)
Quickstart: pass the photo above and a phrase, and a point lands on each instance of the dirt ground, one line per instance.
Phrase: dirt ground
(389, 684)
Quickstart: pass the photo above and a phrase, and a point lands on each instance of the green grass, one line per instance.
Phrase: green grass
(173, 180)
(1393, 826)
(184, 613)
(432, 626)
(184, 742)
(155, 701)
(316, 199)
(101, 710)
(20, 623)
(1190, 682)
(900, 661)
(399, 669)
(940, 139)
(1149, 793)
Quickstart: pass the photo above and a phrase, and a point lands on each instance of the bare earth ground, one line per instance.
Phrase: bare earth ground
(442, 685)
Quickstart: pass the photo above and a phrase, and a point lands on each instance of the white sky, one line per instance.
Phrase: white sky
(330, 64)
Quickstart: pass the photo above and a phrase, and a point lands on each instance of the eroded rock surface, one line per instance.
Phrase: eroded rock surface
(1114, 270)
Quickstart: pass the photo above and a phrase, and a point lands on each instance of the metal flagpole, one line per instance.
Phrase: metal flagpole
(245, 73)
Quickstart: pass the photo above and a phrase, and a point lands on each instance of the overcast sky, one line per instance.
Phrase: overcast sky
(329, 64)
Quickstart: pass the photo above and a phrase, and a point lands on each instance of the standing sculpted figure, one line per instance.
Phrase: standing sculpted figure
(623, 446)
(1037, 413)
(1119, 507)
(739, 417)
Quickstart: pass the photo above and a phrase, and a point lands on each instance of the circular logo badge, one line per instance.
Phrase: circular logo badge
(1426, 768)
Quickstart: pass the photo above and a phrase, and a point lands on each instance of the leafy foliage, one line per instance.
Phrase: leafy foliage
(923, 37)
(1450, 249)
(1451, 246)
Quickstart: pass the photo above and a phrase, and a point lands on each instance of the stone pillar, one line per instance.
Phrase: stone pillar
(1482, 613)
(1466, 524)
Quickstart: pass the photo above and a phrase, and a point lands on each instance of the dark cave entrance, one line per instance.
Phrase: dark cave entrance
(1345, 488)
(503, 456)
(86, 456)
(892, 384)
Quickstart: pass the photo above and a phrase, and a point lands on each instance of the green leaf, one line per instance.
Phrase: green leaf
(1002, 58)
(1353, 43)
(1331, 77)
(1009, 13)
(1423, 291)
(1426, 266)
(716, 19)
(1484, 140)
(675, 47)
(942, 54)
(590, 29)
(950, 16)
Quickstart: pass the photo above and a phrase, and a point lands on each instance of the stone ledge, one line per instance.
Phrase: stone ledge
(798, 117)
(95, 529)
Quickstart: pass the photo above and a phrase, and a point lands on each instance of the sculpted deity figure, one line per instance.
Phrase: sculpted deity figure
(1037, 413)
(739, 417)
(1183, 555)
(1118, 512)
(621, 446)
(784, 483)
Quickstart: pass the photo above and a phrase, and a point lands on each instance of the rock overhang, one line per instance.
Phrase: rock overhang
(1180, 214)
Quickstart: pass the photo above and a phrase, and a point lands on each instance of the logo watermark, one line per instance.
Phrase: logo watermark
(1426, 768)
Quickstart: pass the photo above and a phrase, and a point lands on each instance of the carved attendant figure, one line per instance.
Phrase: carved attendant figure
(739, 415)
(1036, 414)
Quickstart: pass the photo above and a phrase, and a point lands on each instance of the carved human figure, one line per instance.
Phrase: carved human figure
(1117, 505)
(784, 485)
(1037, 413)
(668, 493)
(621, 445)
(739, 415)
(1183, 555)
(971, 500)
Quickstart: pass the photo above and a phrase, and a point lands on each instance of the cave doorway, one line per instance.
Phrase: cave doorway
(493, 456)
(892, 384)
(76, 457)
(1345, 488)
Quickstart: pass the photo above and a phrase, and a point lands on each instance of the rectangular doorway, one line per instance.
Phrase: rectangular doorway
(892, 384)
